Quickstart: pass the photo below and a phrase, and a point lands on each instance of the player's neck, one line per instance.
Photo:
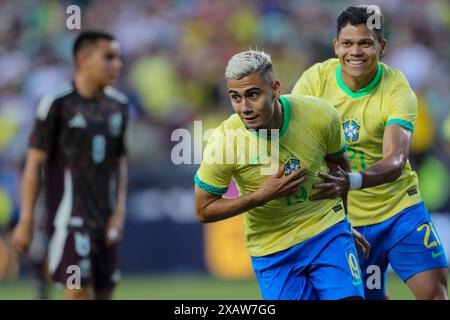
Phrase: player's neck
(87, 88)
(277, 120)
(356, 84)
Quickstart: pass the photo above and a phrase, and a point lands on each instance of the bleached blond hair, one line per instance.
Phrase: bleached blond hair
(248, 62)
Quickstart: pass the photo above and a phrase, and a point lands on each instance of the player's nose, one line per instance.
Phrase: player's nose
(246, 107)
(356, 51)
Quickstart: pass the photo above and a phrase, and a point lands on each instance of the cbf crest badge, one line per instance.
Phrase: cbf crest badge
(291, 165)
(115, 124)
(351, 130)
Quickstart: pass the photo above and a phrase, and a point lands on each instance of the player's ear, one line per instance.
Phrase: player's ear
(84, 55)
(383, 47)
(81, 58)
(276, 87)
(335, 43)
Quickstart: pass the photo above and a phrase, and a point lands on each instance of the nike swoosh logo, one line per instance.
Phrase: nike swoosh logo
(356, 282)
(435, 255)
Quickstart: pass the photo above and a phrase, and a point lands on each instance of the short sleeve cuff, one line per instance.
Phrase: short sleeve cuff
(339, 153)
(402, 123)
(209, 188)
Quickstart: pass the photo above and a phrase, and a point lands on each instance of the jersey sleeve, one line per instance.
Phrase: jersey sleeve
(44, 132)
(309, 83)
(214, 174)
(121, 147)
(336, 139)
(401, 109)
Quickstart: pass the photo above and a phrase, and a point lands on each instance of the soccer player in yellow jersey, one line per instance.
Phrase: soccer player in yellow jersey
(378, 111)
(300, 249)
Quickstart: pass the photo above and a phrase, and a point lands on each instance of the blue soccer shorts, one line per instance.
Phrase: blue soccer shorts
(324, 267)
(408, 241)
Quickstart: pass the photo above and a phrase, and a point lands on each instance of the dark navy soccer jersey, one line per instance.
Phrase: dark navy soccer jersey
(84, 140)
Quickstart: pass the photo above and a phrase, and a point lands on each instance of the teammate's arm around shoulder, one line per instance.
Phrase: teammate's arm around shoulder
(212, 207)
(31, 180)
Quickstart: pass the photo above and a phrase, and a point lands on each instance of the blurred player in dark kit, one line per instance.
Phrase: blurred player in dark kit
(78, 141)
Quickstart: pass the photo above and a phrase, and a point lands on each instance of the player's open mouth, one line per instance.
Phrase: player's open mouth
(356, 62)
(251, 120)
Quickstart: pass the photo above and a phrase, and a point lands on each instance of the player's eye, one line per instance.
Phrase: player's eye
(346, 43)
(110, 56)
(253, 95)
(236, 98)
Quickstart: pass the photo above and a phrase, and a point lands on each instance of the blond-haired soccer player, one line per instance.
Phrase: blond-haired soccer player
(300, 249)
(378, 110)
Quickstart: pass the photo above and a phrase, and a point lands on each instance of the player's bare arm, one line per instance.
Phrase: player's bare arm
(31, 180)
(396, 143)
(211, 208)
(114, 228)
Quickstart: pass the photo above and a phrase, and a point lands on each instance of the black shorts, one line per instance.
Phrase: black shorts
(76, 260)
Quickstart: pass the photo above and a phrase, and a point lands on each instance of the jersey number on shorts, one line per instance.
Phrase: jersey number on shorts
(98, 148)
(426, 239)
(354, 268)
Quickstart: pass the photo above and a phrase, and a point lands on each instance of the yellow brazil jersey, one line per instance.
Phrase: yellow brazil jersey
(311, 129)
(365, 114)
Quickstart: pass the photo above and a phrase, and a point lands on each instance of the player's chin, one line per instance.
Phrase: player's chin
(355, 72)
(252, 123)
(256, 126)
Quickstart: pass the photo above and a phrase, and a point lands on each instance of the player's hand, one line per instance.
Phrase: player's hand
(334, 185)
(114, 229)
(362, 245)
(22, 236)
(278, 185)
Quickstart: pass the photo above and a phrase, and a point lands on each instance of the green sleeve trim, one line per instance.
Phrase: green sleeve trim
(209, 188)
(403, 123)
(363, 91)
(339, 153)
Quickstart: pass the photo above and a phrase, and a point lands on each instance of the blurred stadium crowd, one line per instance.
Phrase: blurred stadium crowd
(175, 52)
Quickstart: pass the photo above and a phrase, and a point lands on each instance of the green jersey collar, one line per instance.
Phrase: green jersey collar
(363, 91)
